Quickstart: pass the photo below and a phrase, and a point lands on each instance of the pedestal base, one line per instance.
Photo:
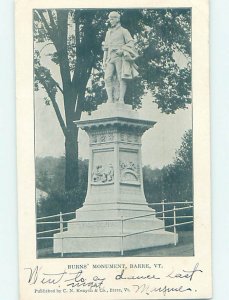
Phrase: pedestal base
(112, 231)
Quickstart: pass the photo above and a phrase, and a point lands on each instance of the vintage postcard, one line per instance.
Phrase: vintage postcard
(113, 149)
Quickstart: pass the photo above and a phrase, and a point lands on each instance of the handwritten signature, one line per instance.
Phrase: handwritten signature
(147, 289)
(72, 279)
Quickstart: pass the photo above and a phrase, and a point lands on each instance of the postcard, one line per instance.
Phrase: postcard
(113, 145)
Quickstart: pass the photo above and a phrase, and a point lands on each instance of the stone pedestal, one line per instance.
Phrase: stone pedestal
(110, 218)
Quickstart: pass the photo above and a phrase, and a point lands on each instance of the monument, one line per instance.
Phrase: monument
(115, 216)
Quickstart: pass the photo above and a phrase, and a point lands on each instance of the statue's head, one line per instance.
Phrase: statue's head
(114, 18)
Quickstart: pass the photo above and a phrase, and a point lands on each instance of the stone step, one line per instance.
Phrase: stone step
(100, 213)
(112, 244)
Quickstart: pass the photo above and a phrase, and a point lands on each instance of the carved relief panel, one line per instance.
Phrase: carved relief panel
(103, 173)
(129, 167)
(102, 167)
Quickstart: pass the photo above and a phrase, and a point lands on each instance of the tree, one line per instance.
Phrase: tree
(153, 184)
(183, 157)
(177, 177)
(76, 36)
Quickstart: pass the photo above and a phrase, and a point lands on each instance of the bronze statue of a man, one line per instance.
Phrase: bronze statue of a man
(118, 59)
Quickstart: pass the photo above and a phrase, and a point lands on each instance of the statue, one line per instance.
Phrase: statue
(118, 59)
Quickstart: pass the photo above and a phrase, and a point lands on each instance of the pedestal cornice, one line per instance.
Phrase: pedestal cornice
(117, 122)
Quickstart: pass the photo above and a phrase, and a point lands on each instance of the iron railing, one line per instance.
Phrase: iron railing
(160, 214)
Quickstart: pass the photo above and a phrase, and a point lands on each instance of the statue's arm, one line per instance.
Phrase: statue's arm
(127, 37)
(105, 53)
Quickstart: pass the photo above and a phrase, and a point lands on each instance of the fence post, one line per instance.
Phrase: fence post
(163, 209)
(61, 233)
(174, 224)
(122, 231)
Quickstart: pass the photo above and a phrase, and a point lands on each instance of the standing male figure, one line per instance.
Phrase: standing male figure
(118, 59)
